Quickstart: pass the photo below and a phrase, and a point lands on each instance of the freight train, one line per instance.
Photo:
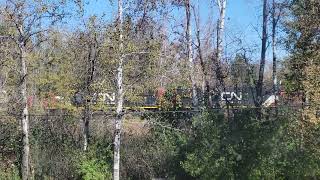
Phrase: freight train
(177, 98)
(160, 98)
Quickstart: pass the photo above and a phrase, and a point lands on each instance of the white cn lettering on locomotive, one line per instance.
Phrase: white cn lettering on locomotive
(108, 98)
(229, 96)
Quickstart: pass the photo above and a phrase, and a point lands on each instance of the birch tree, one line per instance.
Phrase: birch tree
(220, 33)
(274, 57)
(259, 84)
(189, 53)
(120, 95)
(26, 18)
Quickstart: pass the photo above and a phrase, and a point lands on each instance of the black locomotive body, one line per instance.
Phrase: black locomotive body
(171, 98)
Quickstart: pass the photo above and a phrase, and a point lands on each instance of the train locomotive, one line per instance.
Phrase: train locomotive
(175, 98)
(160, 99)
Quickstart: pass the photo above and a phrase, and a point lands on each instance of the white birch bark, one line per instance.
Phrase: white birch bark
(217, 61)
(190, 59)
(85, 132)
(19, 13)
(118, 120)
(274, 57)
(221, 23)
(25, 168)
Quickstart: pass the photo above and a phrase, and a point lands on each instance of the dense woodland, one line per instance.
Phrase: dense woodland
(55, 60)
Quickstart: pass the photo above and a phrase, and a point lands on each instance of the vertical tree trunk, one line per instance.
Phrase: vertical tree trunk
(163, 54)
(222, 13)
(190, 59)
(220, 33)
(118, 120)
(24, 111)
(85, 132)
(206, 92)
(207, 98)
(263, 55)
(25, 16)
(250, 75)
(274, 57)
(88, 94)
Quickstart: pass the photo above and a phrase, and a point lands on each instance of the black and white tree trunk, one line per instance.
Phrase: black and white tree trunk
(120, 95)
(221, 24)
(275, 19)
(92, 56)
(22, 62)
(190, 58)
(220, 36)
(259, 85)
(25, 18)
(85, 132)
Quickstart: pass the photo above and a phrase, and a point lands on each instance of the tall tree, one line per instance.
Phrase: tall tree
(274, 57)
(277, 12)
(189, 52)
(303, 42)
(27, 19)
(220, 34)
(164, 48)
(259, 84)
(206, 93)
(120, 96)
(90, 72)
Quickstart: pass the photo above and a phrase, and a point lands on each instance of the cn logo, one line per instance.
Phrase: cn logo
(229, 96)
(108, 98)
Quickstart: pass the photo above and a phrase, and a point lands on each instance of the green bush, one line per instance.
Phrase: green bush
(251, 147)
(11, 173)
(95, 164)
(93, 169)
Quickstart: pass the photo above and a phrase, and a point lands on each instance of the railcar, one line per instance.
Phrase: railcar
(177, 98)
